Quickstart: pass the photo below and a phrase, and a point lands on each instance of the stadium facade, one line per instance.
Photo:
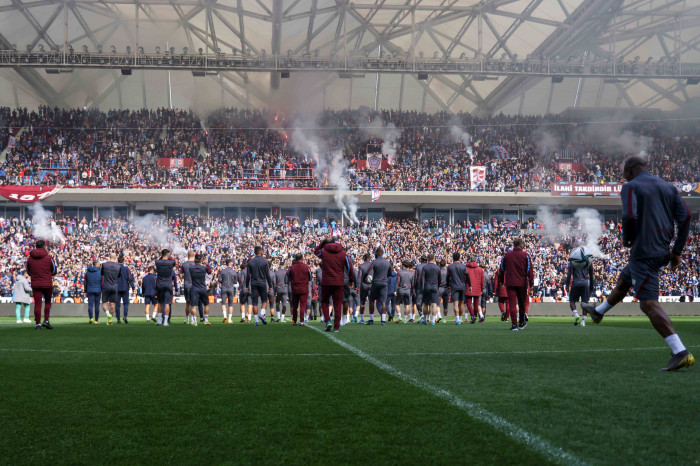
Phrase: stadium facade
(450, 206)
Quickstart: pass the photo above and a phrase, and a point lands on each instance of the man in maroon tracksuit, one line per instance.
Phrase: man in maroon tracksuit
(334, 262)
(299, 278)
(41, 268)
(473, 294)
(516, 272)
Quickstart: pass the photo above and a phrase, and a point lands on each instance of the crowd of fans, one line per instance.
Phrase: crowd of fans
(404, 240)
(237, 149)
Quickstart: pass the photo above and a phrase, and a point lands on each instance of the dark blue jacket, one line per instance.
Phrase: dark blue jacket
(391, 283)
(148, 285)
(126, 279)
(92, 280)
(650, 206)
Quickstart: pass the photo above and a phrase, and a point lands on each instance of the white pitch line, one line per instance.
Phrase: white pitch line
(533, 441)
(149, 353)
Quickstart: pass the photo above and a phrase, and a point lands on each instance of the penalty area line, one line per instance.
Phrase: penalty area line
(532, 441)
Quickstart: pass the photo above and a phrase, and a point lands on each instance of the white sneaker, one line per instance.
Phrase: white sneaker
(19, 321)
(583, 323)
(27, 321)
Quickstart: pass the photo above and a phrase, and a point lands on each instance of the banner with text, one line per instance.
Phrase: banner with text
(28, 193)
(586, 189)
(175, 163)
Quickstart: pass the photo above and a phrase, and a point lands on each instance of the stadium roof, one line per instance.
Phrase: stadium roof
(556, 29)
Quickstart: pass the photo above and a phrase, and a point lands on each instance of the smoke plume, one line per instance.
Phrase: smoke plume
(154, 230)
(592, 227)
(305, 140)
(457, 133)
(44, 226)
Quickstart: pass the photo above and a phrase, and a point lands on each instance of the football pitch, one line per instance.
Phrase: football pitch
(399, 394)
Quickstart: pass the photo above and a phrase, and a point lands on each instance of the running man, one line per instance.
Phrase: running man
(650, 206)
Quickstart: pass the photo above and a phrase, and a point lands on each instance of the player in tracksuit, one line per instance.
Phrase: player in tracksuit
(148, 291)
(579, 283)
(243, 295)
(166, 285)
(417, 291)
(516, 272)
(111, 271)
(334, 261)
(404, 284)
(502, 295)
(391, 295)
(271, 294)
(187, 285)
(199, 293)
(299, 280)
(487, 291)
(281, 279)
(355, 293)
(258, 281)
(92, 282)
(476, 279)
(458, 282)
(347, 293)
(380, 271)
(429, 283)
(364, 287)
(228, 278)
(443, 293)
(124, 284)
(650, 207)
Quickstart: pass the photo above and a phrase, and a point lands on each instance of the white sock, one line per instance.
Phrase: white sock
(383, 317)
(575, 313)
(675, 343)
(603, 307)
(262, 312)
(481, 315)
(257, 319)
(371, 317)
(109, 316)
(206, 318)
(230, 316)
(583, 318)
(439, 314)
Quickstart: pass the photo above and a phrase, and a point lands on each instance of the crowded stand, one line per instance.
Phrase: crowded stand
(254, 149)
(219, 239)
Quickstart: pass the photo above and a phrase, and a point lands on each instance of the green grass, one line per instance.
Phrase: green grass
(238, 394)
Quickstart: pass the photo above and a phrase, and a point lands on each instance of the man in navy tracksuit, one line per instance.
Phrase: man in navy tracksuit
(125, 282)
(111, 271)
(148, 291)
(391, 295)
(199, 297)
(92, 281)
(166, 285)
(258, 281)
(650, 206)
(380, 271)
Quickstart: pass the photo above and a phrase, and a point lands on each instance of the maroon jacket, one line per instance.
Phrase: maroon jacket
(299, 277)
(333, 263)
(499, 287)
(41, 268)
(516, 269)
(476, 276)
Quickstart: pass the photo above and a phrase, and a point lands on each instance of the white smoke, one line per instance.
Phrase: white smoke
(552, 221)
(387, 132)
(631, 143)
(592, 227)
(154, 230)
(305, 141)
(44, 226)
(545, 141)
(457, 133)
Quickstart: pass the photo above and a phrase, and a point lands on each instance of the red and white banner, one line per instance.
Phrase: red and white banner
(11, 141)
(374, 161)
(375, 195)
(477, 176)
(28, 193)
(586, 189)
(175, 163)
